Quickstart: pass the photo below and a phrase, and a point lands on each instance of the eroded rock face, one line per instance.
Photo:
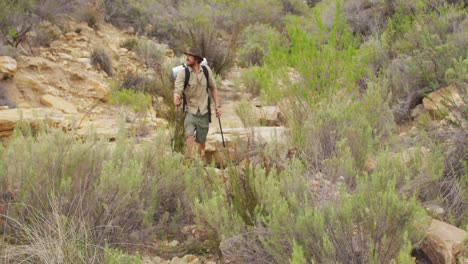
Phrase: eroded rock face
(444, 243)
(8, 67)
(10, 118)
(58, 103)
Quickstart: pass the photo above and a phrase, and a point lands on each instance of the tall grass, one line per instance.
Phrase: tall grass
(92, 193)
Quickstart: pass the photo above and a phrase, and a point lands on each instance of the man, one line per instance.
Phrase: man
(197, 118)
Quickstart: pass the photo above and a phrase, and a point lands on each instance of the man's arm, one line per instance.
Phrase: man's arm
(179, 88)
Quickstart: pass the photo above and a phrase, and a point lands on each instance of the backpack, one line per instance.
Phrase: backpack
(187, 78)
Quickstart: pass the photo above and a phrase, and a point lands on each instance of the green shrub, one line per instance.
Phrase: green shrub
(366, 17)
(101, 59)
(251, 79)
(116, 256)
(419, 47)
(91, 16)
(45, 33)
(55, 10)
(113, 190)
(254, 43)
(450, 191)
(135, 100)
(17, 20)
(130, 44)
(263, 216)
(50, 237)
(150, 53)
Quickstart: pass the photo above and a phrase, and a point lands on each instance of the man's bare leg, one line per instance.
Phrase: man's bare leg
(189, 147)
(201, 149)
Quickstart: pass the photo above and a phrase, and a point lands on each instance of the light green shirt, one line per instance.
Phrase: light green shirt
(196, 92)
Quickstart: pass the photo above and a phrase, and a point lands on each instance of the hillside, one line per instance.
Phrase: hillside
(344, 126)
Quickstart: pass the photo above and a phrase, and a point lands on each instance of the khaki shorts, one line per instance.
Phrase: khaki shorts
(197, 126)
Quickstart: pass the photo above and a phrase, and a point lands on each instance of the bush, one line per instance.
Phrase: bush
(218, 52)
(262, 216)
(150, 52)
(135, 100)
(101, 59)
(254, 43)
(44, 34)
(251, 80)
(450, 191)
(17, 20)
(130, 44)
(55, 10)
(366, 17)
(420, 46)
(50, 237)
(9, 51)
(118, 193)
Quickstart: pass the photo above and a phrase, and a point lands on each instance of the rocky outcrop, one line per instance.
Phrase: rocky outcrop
(8, 67)
(444, 243)
(10, 118)
(58, 103)
(438, 103)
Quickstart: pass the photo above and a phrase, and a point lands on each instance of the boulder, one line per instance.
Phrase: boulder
(269, 116)
(191, 259)
(444, 243)
(438, 103)
(58, 103)
(238, 139)
(8, 67)
(9, 118)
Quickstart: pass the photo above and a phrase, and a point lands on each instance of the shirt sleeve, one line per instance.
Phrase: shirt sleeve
(211, 81)
(179, 83)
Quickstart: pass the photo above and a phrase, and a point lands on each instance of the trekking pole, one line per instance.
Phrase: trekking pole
(220, 128)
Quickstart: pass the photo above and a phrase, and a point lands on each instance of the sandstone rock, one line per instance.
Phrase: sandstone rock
(173, 243)
(444, 243)
(65, 56)
(435, 210)
(158, 260)
(177, 260)
(58, 103)
(191, 259)
(95, 89)
(418, 110)
(8, 67)
(227, 83)
(38, 64)
(269, 116)
(369, 163)
(438, 103)
(238, 138)
(9, 118)
(23, 105)
(106, 127)
(70, 35)
(154, 260)
(85, 61)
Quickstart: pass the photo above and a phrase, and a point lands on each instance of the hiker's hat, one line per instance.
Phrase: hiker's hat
(194, 52)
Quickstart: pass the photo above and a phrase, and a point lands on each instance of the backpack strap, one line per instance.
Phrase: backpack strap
(187, 78)
(205, 72)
